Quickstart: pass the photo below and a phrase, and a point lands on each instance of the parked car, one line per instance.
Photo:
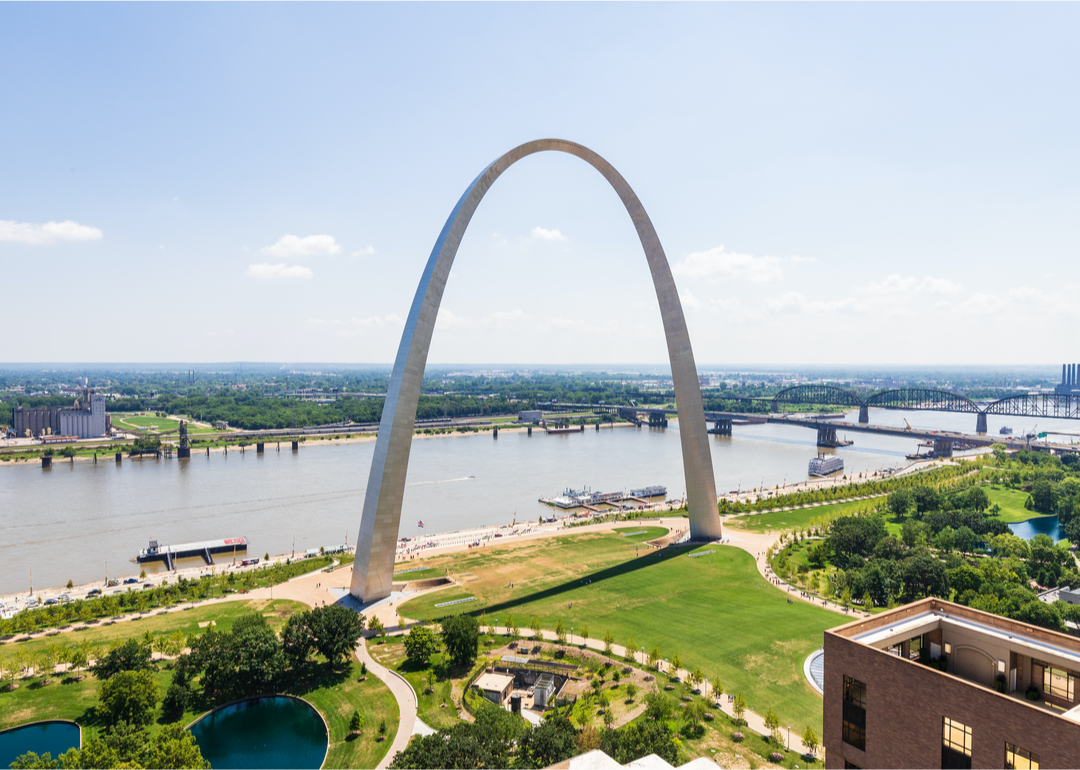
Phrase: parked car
(50, 601)
(131, 580)
(147, 585)
(93, 592)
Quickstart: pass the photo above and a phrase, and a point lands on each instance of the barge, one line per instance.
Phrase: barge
(206, 549)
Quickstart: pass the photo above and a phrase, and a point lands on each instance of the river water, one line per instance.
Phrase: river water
(64, 523)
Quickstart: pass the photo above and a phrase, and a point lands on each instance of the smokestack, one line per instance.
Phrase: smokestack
(1063, 374)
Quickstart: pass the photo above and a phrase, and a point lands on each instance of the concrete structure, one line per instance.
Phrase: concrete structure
(379, 524)
(495, 687)
(532, 415)
(86, 419)
(543, 690)
(887, 703)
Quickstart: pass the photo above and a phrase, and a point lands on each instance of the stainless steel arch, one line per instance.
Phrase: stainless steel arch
(373, 568)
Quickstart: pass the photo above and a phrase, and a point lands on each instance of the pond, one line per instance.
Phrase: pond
(1040, 525)
(53, 737)
(276, 732)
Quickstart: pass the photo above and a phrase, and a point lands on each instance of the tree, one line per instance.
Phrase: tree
(810, 741)
(694, 715)
(31, 761)
(376, 625)
(552, 741)
(772, 723)
(129, 696)
(420, 644)
(738, 708)
(631, 691)
(248, 659)
(534, 626)
(356, 724)
(131, 655)
(336, 630)
(654, 657)
(658, 706)
(676, 665)
(1044, 495)
(609, 643)
(965, 539)
(639, 739)
(460, 636)
(297, 640)
(584, 634)
(901, 502)
(175, 748)
(560, 632)
(923, 575)
(512, 624)
(631, 648)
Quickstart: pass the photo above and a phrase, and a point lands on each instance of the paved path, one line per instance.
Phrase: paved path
(754, 721)
(403, 694)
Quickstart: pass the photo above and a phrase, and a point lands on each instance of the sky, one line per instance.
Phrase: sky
(850, 183)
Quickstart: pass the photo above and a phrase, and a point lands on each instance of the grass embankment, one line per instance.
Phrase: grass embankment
(715, 610)
(799, 518)
(336, 694)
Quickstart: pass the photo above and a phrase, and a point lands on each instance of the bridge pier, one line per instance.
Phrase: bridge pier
(942, 447)
(721, 427)
(864, 414)
(295, 446)
(260, 447)
(980, 423)
(657, 420)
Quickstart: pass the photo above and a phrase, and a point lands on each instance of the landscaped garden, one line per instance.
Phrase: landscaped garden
(170, 668)
(707, 604)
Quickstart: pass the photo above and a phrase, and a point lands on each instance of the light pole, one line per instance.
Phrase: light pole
(789, 737)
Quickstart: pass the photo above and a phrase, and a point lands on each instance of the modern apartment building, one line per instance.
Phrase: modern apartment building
(937, 684)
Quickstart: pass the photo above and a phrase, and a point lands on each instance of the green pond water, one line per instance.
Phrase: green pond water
(272, 732)
(52, 737)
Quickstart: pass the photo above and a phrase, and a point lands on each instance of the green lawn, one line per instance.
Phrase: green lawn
(335, 693)
(800, 518)
(430, 709)
(424, 574)
(1012, 504)
(716, 611)
(158, 424)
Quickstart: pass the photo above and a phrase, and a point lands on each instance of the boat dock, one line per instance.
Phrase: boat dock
(586, 498)
(206, 550)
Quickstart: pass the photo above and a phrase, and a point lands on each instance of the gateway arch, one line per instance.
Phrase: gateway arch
(373, 569)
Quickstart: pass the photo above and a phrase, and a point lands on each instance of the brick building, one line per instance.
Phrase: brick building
(937, 684)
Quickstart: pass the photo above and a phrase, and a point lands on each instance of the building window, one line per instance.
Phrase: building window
(1017, 758)
(915, 646)
(854, 729)
(1058, 682)
(955, 744)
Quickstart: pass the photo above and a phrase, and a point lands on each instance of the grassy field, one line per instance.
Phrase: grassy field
(1012, 504)
(662, 598)
(149, 422)
(335, 693)
(785, 521)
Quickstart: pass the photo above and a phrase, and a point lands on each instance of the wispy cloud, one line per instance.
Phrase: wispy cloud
(803, 260)
(717, 263)
(539, 233)
(289, 246)
(896, 284)
(367, 251)
(50, 232)
(279, 272)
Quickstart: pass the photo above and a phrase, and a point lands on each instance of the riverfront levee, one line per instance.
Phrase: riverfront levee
(64, 523)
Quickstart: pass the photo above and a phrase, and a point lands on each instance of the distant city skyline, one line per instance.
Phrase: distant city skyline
(834, 185)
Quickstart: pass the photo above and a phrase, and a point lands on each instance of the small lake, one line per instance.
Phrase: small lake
(275, 732)
(1040, 525)
(53, 737)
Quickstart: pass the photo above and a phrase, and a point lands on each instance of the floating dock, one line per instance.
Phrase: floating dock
(170, 553)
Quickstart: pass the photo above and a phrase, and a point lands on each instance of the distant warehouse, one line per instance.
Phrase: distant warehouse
(86, 419)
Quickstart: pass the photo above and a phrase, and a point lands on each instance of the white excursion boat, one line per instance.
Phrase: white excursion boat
(824, 465)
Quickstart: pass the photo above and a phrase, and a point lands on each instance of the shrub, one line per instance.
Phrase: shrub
(737, 737)
(776, 757)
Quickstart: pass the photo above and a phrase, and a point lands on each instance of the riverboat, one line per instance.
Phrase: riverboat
(824, 465)
(1005, 430)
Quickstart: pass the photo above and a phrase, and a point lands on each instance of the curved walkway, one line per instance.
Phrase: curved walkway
(754, 721)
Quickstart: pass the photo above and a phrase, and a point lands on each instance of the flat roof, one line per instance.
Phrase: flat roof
(934, 619)
(494, 682)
